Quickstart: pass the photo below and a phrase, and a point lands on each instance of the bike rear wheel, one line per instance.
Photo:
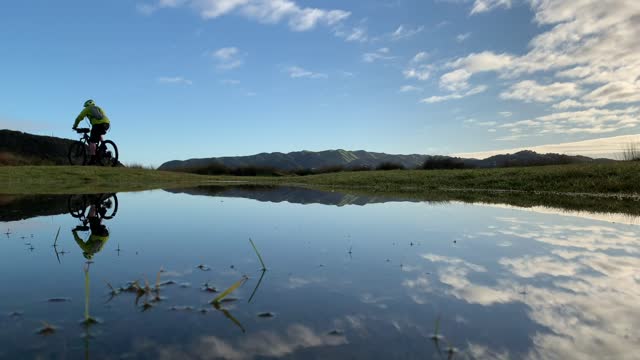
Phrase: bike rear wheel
(108, 154)
(78, 153)
(110, 203)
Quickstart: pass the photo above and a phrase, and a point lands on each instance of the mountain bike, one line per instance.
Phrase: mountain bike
(106, 151)
(106, 204)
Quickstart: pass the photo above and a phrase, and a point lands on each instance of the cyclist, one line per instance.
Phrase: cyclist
(99, 232)
(99, 125)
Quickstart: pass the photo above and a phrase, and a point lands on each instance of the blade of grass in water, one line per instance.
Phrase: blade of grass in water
(230, 317)
(258, 253)
(158, 280)
(230, 290)
(57, 234)
(257, 286)
(86, 295)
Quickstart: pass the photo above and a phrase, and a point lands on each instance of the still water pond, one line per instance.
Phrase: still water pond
(347, 278)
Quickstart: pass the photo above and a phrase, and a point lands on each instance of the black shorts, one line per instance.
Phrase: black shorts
(97, 131)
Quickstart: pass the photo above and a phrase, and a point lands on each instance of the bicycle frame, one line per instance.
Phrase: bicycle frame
(85, 138)
(106, 150)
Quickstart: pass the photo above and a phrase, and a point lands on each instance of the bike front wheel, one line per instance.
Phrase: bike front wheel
(108, 154)
(78, 153)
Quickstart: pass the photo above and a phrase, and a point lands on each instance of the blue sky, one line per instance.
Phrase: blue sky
(198, 78)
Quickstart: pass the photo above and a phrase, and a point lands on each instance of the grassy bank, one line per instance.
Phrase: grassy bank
(611, 179)
(75, 179)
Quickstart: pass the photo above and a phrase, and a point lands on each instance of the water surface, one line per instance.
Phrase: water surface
(349, 277)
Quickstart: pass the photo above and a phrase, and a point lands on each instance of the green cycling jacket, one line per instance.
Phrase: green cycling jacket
(87, 113)
(93, 245)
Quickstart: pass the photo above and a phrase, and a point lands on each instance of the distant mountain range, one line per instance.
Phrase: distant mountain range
(300, 160)
(18, 148)
(358, 159)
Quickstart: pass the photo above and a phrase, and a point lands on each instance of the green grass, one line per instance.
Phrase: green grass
(613, 178)
(621, 178)
(77, 180)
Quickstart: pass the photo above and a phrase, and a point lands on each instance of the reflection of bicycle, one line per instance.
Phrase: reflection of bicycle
(106, 151)
(106, 205)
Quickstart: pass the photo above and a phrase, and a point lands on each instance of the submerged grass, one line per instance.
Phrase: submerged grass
(231, 289)
(55, 242)
(264, 267)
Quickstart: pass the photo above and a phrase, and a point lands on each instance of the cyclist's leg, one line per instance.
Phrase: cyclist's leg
(94, 138)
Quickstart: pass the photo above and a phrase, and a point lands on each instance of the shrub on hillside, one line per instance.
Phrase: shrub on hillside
(435, 163)
(631, 152)
(221, 169)
(390, 166)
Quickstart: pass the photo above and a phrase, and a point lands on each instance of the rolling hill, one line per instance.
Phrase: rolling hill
(301, 160)
(359, 159)
(18, 148)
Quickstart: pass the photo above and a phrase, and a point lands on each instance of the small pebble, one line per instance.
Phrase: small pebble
(47, 329)
(59, 300)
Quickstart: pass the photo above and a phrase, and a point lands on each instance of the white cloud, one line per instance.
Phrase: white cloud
(530, 90)
(479, 123)
(380, 54)
(462, 37)
(420, 73)
(608, 147)
(356, 34)
(420, 57)
(532, 266)
(598, 300)
(230, 82)
(567, 104)
(148, 9)
(480, 6)
(417, 69)
(589, 43)
(264, 11)
(591, 121)
(483, 61)
(291, 341)
(296, 72)
(228, 58)
(403, 32)
(455, 80)
(613, 93)
(174, 80)
(436, 99)
(410, 88)
(505, 113)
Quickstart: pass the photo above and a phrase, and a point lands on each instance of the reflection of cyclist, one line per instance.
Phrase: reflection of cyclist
(99, 232)
(99, 125)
